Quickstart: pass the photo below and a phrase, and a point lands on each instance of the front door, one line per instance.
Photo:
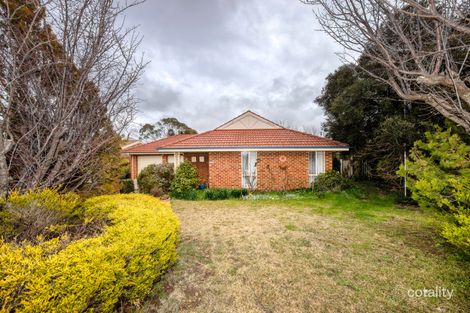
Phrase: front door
(201, 162)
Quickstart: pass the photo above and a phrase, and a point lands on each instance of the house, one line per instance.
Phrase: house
(248, 151)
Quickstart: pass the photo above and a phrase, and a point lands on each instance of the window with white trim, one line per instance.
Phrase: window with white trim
(316, 164)
(249, 172)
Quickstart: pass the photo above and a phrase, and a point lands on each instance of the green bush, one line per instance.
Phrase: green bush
(190, 194)
(210, 194)
(185, 178)
(125, 171)
(331, 181)
(236, 193)
(127, 186)
(222, 194)
(216, 194)
(438, 174)
(96, 273)
(155, 177)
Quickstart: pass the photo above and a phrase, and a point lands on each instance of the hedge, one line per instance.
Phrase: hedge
(97, 273)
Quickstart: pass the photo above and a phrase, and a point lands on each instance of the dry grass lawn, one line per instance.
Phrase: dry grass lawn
(308, 256)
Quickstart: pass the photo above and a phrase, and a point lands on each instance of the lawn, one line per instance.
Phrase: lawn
(353, 251)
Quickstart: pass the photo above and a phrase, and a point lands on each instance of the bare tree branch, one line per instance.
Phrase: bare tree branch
(67, 73)
(423, 46)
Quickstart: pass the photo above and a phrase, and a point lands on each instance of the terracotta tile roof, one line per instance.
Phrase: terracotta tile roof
(155, 145)
(248, 138)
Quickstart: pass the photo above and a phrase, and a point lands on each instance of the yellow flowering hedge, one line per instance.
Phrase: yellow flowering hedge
(93, 274)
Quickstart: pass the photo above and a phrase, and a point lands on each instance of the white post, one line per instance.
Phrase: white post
(176, 160)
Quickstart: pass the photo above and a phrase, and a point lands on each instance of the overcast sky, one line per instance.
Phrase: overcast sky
(211, 60)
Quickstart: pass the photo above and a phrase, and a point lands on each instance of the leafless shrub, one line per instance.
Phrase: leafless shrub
(67, 71)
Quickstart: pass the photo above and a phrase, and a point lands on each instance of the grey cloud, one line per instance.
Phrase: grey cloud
(213, 59)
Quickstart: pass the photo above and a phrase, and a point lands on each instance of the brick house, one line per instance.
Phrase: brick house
(248, 151)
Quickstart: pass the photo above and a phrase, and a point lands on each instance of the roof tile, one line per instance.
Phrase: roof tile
(282, 137)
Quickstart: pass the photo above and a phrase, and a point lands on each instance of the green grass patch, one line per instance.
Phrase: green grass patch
(291, 227)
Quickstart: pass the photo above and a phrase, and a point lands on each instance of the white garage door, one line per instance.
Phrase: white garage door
(145, 160)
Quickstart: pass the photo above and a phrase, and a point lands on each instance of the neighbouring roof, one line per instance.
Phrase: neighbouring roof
(153, 146)
(129, 143)
(281, 138)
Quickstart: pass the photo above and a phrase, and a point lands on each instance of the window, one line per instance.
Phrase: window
(193, 159)
(201, 158)
(249, 169)
(316, 164)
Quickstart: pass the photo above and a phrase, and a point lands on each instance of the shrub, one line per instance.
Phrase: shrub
(438, 174)
(185, 178)
(216, 194)
(127, 186)
(190, 194)
(93, 274)
(222, 194)
(331, 181)
(236, 193)
(45, 213)
(124, 168)
(156, 176)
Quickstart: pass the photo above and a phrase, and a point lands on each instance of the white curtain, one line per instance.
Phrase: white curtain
(316, 164)
(249, 169)
(320, 162)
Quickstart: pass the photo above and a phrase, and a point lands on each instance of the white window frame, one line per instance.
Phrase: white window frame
(252, 172)
(320, 162)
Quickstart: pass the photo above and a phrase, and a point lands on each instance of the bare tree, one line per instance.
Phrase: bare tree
(67, 72)
(423, 46)
(309, 129)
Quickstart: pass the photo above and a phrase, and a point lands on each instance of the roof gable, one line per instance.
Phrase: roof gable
(249, 120)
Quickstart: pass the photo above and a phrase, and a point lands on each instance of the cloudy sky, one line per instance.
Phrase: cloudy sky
(211, 60)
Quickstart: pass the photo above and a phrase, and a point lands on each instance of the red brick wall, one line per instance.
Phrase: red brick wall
(273, 173)
(328, 161)
(225, 170)
(282, 170)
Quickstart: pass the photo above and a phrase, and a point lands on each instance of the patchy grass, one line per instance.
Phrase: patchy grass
(353, 251)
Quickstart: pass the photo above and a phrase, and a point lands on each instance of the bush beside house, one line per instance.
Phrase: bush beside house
(330, 181)
(156, 179)
(96, 273)
(185, 179)
(127, 186)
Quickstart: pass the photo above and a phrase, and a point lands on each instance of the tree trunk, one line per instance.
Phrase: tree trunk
(5, 146)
